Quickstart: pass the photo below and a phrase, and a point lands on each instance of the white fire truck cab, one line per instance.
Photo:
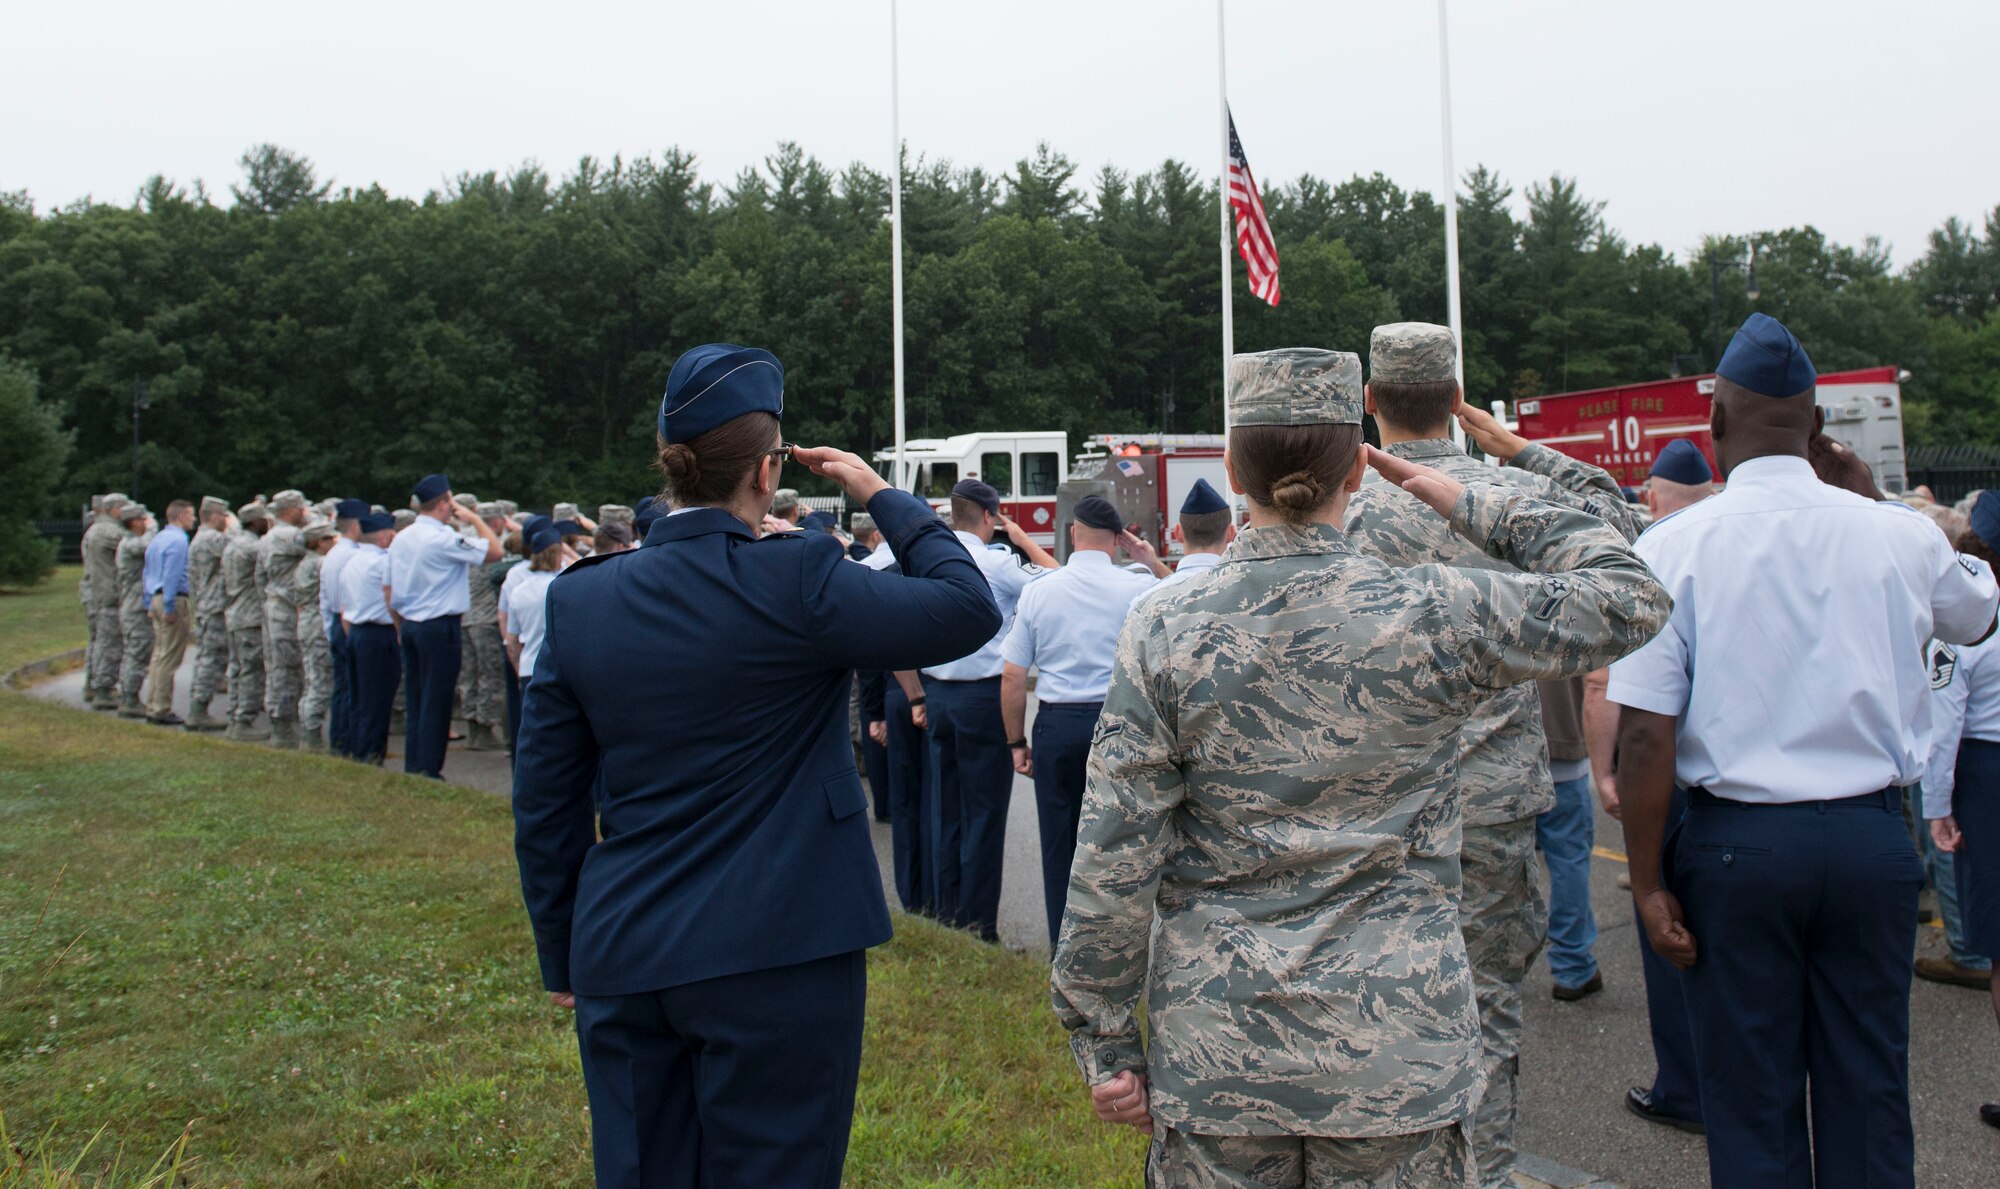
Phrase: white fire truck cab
(1026, 468)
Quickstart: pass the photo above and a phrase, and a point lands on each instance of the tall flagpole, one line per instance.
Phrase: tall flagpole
(1222, 200)
(1450, 214)
(896, 242)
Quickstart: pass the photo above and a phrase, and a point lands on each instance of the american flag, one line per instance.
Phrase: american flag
(1253, 230)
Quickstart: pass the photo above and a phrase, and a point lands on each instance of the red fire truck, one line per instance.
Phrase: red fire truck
(1623, 429)
(1146, 474)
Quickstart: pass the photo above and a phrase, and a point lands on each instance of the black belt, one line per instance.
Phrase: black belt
(1889, 798)
(1093, 707)
(964, 681)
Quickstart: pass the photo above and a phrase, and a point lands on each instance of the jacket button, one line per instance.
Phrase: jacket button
(1728, 859)
(1108, 1056)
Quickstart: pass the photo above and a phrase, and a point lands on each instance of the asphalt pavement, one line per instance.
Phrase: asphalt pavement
(1577, 1059)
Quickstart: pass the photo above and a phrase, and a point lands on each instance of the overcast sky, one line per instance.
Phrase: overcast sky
(1686, 117)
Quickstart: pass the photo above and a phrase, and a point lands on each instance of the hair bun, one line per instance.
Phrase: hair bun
(680, 464)
(1300, 491)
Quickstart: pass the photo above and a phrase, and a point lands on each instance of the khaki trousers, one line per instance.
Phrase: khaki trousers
(170, 641)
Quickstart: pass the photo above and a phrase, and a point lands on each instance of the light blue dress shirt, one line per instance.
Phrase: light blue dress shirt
(1008, 575)
(1067, 626)
(527, 616)
(1813, 607)
(427, 564)
(330, 566)
(361, 583)
(1965, 704)
(166, 571)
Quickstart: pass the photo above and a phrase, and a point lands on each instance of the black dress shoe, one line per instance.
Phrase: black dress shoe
(1990, 1114)
(1572, 994)
(1640, 1102)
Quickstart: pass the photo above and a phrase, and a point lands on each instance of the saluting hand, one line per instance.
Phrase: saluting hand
(1666, 927)
(1435, 488)
(854, 475)
(1123, 1100)
(1486, 431)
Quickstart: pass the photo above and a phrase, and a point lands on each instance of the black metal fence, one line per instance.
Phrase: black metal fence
(68, 536)
(1953, 472)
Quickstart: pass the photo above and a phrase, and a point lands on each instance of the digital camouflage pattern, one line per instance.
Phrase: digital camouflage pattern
(1274, 773)
(1503, 754)
(243, 615)
(134, 624)
(1295, 386)
(1412, 353)
(207, 593)
(100, 570)
(309, 637)
(614, 514)
(1504, 917)
(278, 558)
(1433, 1159)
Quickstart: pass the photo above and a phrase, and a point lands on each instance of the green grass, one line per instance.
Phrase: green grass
(40, 621)
(322, 974)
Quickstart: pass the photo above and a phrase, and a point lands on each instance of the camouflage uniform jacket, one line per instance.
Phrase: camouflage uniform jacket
(485, 609)
(1503, 756)
(242, 590)
(100, 560)
(132, 571)
(278, 554)
(303, 592)
(1273, 799)
(205, 571)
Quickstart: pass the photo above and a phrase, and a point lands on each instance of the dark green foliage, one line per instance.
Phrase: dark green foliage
(33, 449)
(515, 329)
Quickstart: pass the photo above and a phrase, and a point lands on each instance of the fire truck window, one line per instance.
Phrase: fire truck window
(1039, 474)
(998, 469)
(939, 479)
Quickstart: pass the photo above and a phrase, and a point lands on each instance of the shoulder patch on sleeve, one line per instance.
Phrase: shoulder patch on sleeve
(1968, 565)
(1944, 666)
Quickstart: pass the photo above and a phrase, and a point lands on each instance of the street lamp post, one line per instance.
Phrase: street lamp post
(1715, 270)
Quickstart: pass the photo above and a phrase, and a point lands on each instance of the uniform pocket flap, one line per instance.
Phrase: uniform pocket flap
(844, 795)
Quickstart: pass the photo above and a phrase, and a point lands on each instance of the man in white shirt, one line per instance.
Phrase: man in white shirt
(428, 593)
(1788, 893)
(347, 516)
(374, 659)
(1066, 627)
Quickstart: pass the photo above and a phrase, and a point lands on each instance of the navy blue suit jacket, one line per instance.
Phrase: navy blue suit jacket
(705, 676)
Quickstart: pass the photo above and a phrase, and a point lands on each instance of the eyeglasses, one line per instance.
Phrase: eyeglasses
(783, 453)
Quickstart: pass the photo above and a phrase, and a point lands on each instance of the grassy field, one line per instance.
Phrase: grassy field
(323, 974)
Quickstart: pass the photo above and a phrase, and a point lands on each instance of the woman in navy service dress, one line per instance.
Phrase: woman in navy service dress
(712, 942)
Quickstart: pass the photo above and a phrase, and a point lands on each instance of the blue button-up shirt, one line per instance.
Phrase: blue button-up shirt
(166, 571)
(427, 563)
(1067, 625)
(329, 581)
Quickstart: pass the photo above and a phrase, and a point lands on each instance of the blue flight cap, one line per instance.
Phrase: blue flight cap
(567, 528)
(1203, 499)
(542, 538)
(821, 522)
(532, 523)
(644, 513)
(983, 494)
(1681, 462)
(1094, 511)
(1766, 359)
(350, 509)
(719, 382)
(430, 487)
(375, 522)
(1986, 519)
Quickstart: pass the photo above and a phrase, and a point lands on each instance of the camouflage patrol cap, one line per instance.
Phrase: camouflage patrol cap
(110, 503)
(1295, 386)
(465, 500)
(318, 530)
(213, 503)
(287, 500)
(489, 511)
(253, 511)
(613, 514)
(132, 512)
(1412, 353)
(508, 508)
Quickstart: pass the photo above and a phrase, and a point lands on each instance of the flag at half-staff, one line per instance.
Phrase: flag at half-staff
(1253, 230)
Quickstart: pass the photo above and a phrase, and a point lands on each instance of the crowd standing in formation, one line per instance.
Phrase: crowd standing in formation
(1294, 795)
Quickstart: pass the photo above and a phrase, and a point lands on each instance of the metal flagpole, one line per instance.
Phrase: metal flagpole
(896, 242)
(1222, 200)
(1450, 214)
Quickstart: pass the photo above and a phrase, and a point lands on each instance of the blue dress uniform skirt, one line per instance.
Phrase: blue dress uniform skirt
(1975, 803)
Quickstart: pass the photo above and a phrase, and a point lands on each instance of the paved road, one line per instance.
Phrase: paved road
(1578, 1058)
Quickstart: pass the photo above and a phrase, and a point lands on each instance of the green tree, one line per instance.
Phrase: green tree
(33, 449)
